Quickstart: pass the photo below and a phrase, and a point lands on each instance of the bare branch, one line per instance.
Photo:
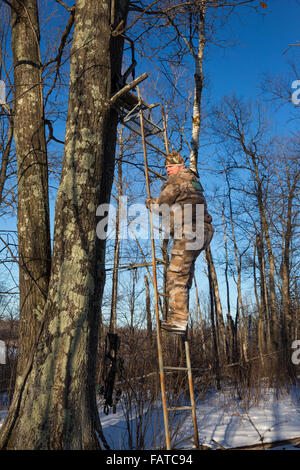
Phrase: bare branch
(116, 32)
(51, 136)
(65, 5)
(10, 5)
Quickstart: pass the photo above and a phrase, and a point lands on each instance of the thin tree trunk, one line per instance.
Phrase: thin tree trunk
(230, 324)
(148, 309)
(263, 288)
(213, 315)
(218, 305)
(114, 300)
(287, 322)
(54, 405)
(132, 300)
(5, 154)
(198, 77)
(274, 323)
(260, 328)
(238, 262)
(201, 324)
(274, 326)
(286, 315)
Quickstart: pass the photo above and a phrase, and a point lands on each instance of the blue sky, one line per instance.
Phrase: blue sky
(262, 43)
(262, 40)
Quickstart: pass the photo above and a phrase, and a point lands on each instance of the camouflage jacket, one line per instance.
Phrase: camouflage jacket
(183, 188)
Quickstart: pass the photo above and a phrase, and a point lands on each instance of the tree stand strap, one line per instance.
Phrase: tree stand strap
(112, 367)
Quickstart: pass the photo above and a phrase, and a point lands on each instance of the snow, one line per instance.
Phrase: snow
(221, 419)
(231, 425)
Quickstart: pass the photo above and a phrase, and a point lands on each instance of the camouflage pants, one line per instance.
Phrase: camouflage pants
(180, 277)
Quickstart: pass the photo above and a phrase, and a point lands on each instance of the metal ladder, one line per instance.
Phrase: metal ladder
(131, 110)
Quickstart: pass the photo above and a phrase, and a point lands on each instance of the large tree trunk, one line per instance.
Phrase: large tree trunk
(54, 406)
(33, 205)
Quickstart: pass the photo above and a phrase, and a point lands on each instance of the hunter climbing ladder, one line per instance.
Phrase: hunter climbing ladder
(132, 111)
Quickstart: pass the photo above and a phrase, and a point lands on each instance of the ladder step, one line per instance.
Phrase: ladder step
(158, 227)
(165, 295)
(175, 368)
(182, 408)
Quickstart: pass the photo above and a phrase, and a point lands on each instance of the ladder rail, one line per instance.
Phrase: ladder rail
(159, 347)
(157, 294)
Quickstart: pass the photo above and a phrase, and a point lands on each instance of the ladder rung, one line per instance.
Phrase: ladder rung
(160, 260)
(183, 408)
(175, 368)
(165, 295)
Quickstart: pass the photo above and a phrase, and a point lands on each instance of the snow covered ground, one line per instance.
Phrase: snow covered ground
(220, 418)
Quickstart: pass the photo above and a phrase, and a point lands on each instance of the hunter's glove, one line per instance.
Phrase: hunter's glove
(148, 202)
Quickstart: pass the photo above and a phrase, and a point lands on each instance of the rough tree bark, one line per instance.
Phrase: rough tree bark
(33, 205)
(54, 405)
